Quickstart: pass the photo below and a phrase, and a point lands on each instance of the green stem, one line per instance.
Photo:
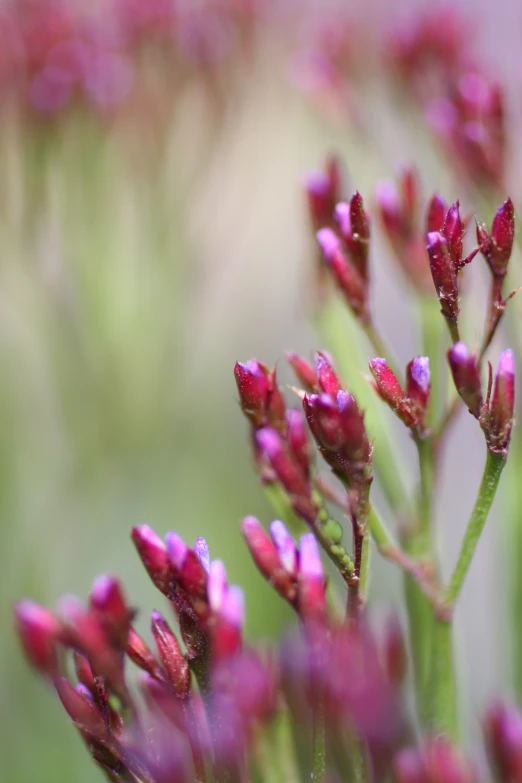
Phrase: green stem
(319, 746)
(365, 567)
(443, 717)
(432, 345)
(488, 487)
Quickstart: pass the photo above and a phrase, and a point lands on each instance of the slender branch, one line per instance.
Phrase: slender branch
(486, 494)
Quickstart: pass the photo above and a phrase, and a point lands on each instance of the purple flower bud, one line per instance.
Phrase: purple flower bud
(252, 384)
(177, 550)
(444, 275)
(202, 553)
(311, 600)
(286, 549)
(39, 631)
(287, 470)
(173, 660)
(436, 214)
(391, 390)
(418, 382)
(326, 376)
(503, 729)
(348, 278)
(303, 369)
(108, 600)
(298, 440)
(216, 585)
(81, 708)
(342, 218)
(502, 405)
(140, 654)
(269, 558)
(154, 556)
(233, 607)
(466, 376)
(502, 234)
(453, 231)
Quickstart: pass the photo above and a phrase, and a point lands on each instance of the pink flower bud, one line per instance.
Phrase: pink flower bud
(140, 654)
(217, 585)
(268, 557)
(390, 211)
(298, 440)
(348, 278)
(418, 382)
(287, 470)
(502, 236)
(83, 671)
(81, 708)
(173, 660)
(391, 391)
(154, 556)
(311, 590)
(39, 631)
(355, 440)
(285, 546)
(354, 227)
(444, 275)
(453, 231)
(466, 376)
(320, 199)
(409, 767)
(326, 376)
(501, 408)
(436, 214)
(107, 599)
(252, 385)
(503, 729)
(202, 553)
(304, 371)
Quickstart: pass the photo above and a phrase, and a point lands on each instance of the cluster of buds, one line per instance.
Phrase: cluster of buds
(411, 405)
(470, 120)
(56, 56)
(496, 412)
(435, 761)
(445, 250)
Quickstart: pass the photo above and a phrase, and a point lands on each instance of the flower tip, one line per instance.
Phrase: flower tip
(328, 242)
(202, 553)
(176, 548)
(309, 558)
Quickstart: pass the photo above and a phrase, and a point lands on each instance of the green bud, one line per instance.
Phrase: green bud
(333, 530)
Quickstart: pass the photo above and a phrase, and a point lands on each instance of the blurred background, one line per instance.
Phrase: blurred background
(153, 230)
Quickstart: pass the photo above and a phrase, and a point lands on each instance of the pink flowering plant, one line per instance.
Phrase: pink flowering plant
(338, 699)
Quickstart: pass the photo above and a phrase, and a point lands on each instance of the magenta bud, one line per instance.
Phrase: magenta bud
(303, 369)
(140, 654)
(216, 585)
(173, 660)
(177, 550)
(453, 231)
(502, 405)
(342, 218)
(233, 606)
(154, 556)
(326, 376)
(324, 421)
(322, 190)
(286, 548)
(83, 670)
(287, 470)
(444, 762)
(466, 376)
(348, 278)
(297, 439)
(268, 557)
(502, 235)
(503, 729)
(359, 219)
(107, 598)
(391, 391)
(252, 384)
(408, 767)
(39, 631)
(418, 382)
(81, 708)
(444, 275)
(202, 553)
(436, 214)
(390, 210)
(311, 590)
(355, 440)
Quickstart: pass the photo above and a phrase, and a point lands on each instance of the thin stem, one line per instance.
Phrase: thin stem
(427, 474)
(453, 330)
(488, 487)
(364, 578)
(443, 715)
(319, 746)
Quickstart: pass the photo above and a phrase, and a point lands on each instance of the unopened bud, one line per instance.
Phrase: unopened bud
(202, 553)
(39, 631)
(173, 660)
(453, 231)
(326, 375)
(81, 708)
(466, 376)
(285, 546)
(502, 405)
(436, 214)
(154, 556)
(391, 391)
(503, 729)
(444, 275)
(288, 471)
(303, 369)
(268, 557)
(108, 600)
(418, 382)
(140, 654)
(252, 384)
(502, 235)
(297, 439)
(311, 590)
(348, 278)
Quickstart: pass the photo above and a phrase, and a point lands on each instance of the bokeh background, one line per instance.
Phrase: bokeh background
(153, 231)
